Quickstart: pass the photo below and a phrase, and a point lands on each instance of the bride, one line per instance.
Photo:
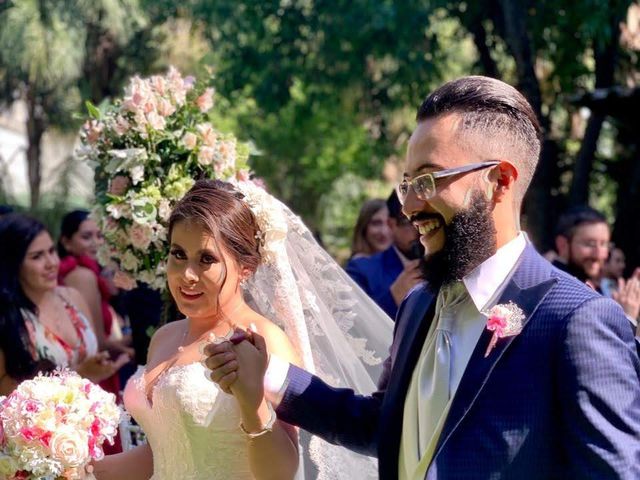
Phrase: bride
(233, 255)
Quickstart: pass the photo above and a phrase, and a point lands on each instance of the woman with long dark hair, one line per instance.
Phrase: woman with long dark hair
(371, 233)
(42, 325)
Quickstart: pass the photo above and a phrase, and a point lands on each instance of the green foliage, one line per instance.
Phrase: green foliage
(339, 208)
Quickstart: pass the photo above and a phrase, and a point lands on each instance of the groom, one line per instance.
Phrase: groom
(546, 385)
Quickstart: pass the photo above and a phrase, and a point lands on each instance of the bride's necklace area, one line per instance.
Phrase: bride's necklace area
(226, 319)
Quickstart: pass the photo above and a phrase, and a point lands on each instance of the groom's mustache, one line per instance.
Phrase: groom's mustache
(424, 216)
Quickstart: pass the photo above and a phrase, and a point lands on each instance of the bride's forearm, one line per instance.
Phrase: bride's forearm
(273, 455)
(135, 464)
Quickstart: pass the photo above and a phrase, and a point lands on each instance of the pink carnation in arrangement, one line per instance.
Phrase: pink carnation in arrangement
(205, 101)
(54, 426)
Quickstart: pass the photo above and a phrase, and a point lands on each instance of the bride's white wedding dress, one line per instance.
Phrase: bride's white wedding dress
(191, 426)
(338, 332)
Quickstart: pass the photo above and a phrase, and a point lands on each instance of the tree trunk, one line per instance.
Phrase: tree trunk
(539, 202)
(479, 34)
(579, 192)
(626, 231)
(605, 60)
(36, 126)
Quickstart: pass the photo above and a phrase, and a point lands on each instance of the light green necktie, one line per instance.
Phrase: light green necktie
(431, 383)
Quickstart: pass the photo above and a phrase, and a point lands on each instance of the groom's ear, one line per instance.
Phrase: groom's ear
(502, 178)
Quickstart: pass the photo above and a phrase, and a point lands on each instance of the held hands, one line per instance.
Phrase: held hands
(238, 367)
(100, 366)
(409, 278)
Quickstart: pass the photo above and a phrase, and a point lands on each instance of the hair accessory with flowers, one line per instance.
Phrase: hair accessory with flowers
(54, 426)
(504, 320)
(270, 217)
(148, 148)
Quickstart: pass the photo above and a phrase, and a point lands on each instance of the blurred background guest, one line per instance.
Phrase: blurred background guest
(371, 233)
(78, 245)
(582, 241)
(388, 276)
(613, 271)
(42, 325)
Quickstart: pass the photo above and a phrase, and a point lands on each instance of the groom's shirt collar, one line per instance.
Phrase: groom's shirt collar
(488, 279)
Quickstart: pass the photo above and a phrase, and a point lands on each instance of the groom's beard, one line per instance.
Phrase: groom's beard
(470, 238)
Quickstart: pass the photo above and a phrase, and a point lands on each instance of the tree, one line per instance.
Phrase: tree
(329, 87)
(47, 50)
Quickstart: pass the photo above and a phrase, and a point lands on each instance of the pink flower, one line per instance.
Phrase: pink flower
(156, 121)
(122, 125)
(205, 101)
(497, 324)
(190, 140)
(124, 281)
(119, 185)
(503, 321)
(158, 83)
(207, 133)
(205, 155)
(243, 175)
(35, 433)
(140, 236)
(92, 131)
(165, 108)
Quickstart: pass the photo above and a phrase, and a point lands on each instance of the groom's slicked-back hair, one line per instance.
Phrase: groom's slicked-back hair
(497, 123)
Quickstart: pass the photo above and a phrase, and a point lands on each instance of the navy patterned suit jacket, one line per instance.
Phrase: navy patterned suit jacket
(561, 400)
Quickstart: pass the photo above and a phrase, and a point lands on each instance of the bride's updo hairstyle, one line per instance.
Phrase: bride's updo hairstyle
(221, 210)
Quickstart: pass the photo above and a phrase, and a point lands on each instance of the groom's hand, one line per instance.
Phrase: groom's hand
(223, 365)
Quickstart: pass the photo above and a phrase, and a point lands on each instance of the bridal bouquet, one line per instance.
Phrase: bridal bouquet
(51, 427)
(148, 149)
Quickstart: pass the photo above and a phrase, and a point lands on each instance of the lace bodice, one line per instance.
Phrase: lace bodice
(191, 426)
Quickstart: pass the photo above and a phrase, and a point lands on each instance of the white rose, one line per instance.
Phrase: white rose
(129, 261)
(164, 209)
(70, 446)
(137, 174)
(119, 210)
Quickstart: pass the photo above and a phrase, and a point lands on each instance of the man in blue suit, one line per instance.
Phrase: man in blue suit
(388, 276)
(502, 366)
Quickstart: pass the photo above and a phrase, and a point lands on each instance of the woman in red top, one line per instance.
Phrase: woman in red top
(78, 247)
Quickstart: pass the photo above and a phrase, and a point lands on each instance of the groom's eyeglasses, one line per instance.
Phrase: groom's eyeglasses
(425, 185)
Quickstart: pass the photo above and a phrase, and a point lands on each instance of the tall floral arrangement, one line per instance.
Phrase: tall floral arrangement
(148, 149)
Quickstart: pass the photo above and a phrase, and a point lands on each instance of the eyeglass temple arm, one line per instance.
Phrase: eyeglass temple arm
(464, 169)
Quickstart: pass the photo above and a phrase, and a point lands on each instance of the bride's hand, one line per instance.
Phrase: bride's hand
(252, 358)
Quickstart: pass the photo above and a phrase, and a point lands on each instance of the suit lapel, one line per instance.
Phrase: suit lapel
(412, 331)
(479, 368)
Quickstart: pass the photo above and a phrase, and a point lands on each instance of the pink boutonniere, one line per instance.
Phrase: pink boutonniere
(503, 321)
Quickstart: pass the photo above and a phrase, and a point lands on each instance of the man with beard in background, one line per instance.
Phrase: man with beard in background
(501, 366)
(582, 242)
